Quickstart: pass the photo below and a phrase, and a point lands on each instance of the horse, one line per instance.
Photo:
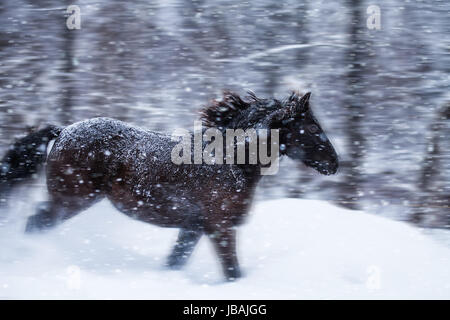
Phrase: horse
(105, 158)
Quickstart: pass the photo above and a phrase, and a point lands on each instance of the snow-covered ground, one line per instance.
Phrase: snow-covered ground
(290, 249)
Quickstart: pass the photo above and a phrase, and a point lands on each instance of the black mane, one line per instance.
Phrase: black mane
(233, 112)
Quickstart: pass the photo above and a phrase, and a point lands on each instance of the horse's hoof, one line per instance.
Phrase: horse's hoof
(31, 226)
(175, 263)
(30, 229)
(35, 224)
(233, 274)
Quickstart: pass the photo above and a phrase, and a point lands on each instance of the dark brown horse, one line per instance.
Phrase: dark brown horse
(132, 167)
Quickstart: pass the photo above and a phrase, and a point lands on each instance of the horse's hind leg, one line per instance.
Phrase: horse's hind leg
(224, 242)
(187, 239)
(52, 213)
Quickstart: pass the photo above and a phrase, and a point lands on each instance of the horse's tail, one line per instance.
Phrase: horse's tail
(24, 158)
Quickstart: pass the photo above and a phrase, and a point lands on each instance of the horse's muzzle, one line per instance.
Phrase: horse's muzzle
(328, 168)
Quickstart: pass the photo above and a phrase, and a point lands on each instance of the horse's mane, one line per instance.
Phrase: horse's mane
(235, 112)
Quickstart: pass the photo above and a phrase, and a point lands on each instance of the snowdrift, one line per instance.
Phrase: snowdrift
(289, 249)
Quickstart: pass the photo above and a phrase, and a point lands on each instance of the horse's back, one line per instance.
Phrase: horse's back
(95, 150)
(96, 131)
(97, 134)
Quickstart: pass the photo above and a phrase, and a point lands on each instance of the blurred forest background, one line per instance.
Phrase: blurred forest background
(381, 95)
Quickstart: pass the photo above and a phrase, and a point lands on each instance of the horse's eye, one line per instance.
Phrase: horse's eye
(313, 128)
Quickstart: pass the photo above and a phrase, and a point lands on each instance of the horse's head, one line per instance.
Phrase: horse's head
(301, 136)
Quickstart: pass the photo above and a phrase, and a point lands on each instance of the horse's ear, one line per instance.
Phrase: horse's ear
(303, 103)
(298, 104)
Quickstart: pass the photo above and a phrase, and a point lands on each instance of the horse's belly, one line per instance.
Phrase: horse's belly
(166, 210)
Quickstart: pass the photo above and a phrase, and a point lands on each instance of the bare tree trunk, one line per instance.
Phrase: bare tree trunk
(433, 184)
(68, 72)
(351, 189)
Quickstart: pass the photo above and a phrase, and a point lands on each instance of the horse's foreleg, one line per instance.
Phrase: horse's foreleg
(187, 239)
(225, 244)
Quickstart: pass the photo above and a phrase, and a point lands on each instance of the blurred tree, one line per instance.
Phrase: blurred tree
(351, 167)
(433, 210)
(68, 83)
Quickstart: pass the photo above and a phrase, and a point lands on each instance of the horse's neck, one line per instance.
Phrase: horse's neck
(252, 173)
